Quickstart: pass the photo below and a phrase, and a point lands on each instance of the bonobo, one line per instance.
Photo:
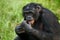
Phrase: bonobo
(39, 24)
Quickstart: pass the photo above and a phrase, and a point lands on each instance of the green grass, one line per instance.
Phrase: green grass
(11, 14)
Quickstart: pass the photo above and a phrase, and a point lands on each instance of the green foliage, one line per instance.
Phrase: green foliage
(11, 14)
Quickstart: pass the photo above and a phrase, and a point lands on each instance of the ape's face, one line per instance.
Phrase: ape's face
(29, 17)
(31, 13)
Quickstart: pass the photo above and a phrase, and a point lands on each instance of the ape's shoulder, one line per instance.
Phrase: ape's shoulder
(48, 12)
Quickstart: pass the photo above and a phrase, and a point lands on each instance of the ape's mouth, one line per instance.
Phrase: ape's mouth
(30, 21)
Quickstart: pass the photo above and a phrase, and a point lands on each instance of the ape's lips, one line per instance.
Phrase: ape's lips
(30, 21)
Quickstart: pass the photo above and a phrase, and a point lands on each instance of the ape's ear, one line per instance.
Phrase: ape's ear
(40, 8)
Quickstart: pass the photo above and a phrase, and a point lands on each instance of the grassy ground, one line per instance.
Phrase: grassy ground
(11, 14)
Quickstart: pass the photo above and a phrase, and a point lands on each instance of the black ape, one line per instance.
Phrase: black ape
(39, 24)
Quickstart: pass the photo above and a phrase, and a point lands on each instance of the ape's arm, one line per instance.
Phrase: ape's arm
(39, 34)
(36, 33)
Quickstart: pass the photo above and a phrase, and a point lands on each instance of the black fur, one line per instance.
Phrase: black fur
(50, 26)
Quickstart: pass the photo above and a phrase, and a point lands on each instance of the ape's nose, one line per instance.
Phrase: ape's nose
(29, 18)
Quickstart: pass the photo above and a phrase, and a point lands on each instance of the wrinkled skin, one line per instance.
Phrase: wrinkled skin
(39, 24)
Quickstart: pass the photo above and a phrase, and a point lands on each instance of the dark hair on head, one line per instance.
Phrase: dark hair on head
(32, 4)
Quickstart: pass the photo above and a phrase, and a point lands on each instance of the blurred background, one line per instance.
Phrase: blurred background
(11, 14)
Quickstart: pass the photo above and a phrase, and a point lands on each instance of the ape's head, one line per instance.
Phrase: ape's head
(31, 12)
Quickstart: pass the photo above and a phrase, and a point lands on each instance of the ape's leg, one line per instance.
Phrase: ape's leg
(17, 38)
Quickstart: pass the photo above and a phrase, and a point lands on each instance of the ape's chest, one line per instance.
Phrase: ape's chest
(33, 38)
(39, 26)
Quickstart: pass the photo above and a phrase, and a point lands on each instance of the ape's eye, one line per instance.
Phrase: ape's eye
(26, 13)
(31, 12)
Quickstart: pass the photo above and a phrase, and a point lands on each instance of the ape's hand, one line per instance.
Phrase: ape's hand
(26, 26)
(19, 29)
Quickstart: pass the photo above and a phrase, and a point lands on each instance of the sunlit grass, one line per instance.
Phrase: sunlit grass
(11, 15)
